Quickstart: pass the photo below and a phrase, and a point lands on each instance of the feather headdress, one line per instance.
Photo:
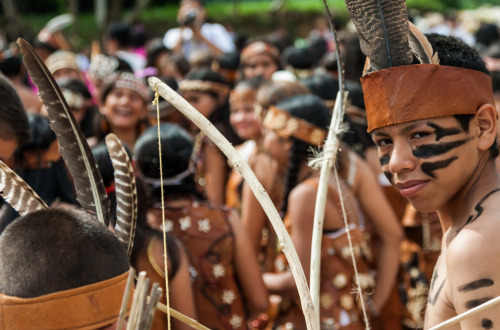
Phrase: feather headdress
(403, 79)
(17, 193)
(126, 194)
(73, 146)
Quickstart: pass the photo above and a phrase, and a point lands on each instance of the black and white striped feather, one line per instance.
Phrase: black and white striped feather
(18, 193)
(126, 193)
(90, 191)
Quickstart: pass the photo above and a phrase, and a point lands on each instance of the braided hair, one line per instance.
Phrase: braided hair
(311, 109)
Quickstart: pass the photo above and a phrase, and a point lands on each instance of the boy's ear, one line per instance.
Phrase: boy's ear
(486, 117)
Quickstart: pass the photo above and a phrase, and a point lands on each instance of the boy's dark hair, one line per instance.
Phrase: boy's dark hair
(454, 52)
(13, 119)
(57, 249)
(121, 32)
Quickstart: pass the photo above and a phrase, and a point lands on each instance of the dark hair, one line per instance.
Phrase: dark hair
(121, 32)
(181, 63)
(313, 110)
(57, 249)
(356, 135)
(11, 66)
(13, 118)
(454, 52)
(487, 34)
(176, 149)
(154, 49)
(41, 135)
(494, 52)
(252, 83)
(75, 85)
(297, 58)
(272, 92)
(322, 85)
(229, 60)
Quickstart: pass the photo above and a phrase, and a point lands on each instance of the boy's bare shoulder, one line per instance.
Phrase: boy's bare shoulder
(472, 266)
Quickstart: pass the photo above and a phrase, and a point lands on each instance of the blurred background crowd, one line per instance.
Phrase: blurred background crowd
(225, 266)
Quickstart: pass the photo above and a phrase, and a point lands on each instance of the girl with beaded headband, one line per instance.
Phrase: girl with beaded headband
(207, 91)
(294, 126)
(259, 58)
(123, 108)
(225, 272)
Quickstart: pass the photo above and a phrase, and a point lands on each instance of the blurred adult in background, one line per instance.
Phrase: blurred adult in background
(194, 34)
(118, 42)
(11, 66)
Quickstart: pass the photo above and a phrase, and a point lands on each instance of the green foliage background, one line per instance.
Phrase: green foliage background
(251, 17)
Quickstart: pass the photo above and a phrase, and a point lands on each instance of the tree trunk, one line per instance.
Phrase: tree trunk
(115, 11)
(101, 12)
(12, 17)
(139, 6)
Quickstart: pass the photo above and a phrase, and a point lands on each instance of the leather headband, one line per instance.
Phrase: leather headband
(413, 92)
(87, 307)
(286, 125)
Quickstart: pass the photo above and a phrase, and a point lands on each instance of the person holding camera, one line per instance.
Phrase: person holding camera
(194, 34)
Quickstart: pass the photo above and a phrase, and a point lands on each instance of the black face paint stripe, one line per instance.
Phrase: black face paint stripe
(431, 150)
(388, 175)
(474, 285)
(429, 168)
(487, 323)
(443, 132)
(476, 302)
(384, 160)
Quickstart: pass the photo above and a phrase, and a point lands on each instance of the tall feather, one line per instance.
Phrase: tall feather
(383, 31)
(17, 193)
(73, 146)
(421, 47)
(126, 194)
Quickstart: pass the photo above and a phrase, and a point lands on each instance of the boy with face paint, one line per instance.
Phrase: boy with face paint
(434, 124)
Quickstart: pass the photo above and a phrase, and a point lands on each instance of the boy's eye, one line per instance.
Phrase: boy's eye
(419, 135)
(382, 142)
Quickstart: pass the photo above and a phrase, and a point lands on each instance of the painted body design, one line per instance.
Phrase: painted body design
(432, 298)
(478, 209)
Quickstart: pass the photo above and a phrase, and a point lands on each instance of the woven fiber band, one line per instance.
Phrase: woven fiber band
(88, 307)
(285, 125)
(246, 95)
(413, 92)
(204, 86)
